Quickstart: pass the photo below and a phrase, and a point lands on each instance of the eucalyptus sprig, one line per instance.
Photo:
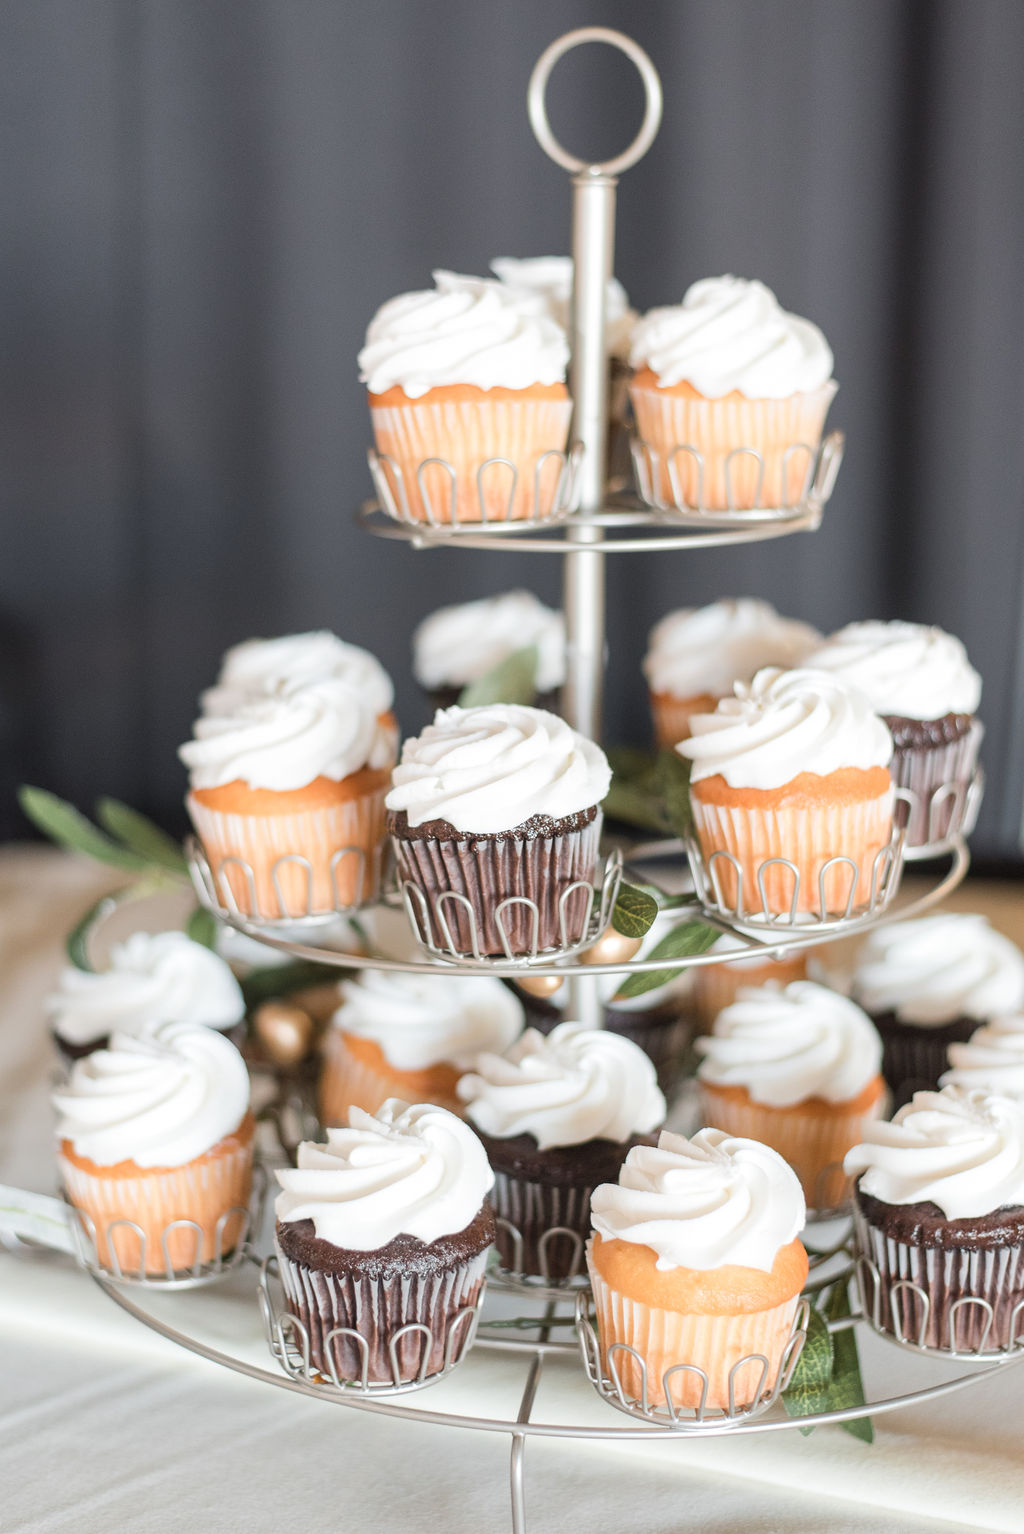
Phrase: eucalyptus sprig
(827, 1375)
(512, 680)
(129, 840)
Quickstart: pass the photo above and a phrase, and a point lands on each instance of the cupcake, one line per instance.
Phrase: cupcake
(150, 978)
(929, 983)
(258, 668)
(556, 1116)
(792, 767)
(287, 797)
(799, 1070)
(153, 1130)
(382, 1228)
(921, 682)
(410, 1036)
(992, 1060)
(716, 985)
(696, 655)
(458, 645)
(468, 372)
(695, 1261)
(491, 808)
(730, 376)
(939, 1221)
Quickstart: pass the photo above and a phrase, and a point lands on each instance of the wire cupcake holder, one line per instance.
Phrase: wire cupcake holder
(559, 1247)
(945, 813)
(902, 1310)
(285, 893)
(553, 489)
(685, 472)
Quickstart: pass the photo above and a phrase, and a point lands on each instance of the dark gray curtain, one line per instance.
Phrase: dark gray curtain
(205, 200)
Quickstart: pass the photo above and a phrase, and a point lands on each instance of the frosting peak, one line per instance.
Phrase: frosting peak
(903, 669)
(938, 968)
(258, 667)
(412, 1170)
(992, 1060)
(706, 649)
(489, 769)
(457, 645)
(703, 1203)
(552, 278)
(419, 1021)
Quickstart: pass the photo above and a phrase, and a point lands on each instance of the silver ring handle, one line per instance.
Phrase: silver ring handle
(538, 111)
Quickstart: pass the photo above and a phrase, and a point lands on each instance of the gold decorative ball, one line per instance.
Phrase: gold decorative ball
(539, 985)
(320, 1001)
(611, 948)
(284, 1030)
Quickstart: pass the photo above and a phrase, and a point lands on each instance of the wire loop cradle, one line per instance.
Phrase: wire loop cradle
(685, 466)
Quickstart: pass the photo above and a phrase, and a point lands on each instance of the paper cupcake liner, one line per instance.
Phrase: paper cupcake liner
(540, 1214)
(672, 716)
(665, 1339)
(715, 985)
(808, 837)
(813, 1144)
(490, 870)
(281, 889)
(993, 1274)
(465, 434)
(914, 1055)
(203, 1191)
(378, 1309)
(929, 773)
(348, 1082)
(785, 432)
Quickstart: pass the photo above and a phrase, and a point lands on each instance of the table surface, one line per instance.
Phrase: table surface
(106, 1426)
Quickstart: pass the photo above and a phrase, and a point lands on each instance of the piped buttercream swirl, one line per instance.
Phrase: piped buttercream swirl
(491, 768)
(552, 277)
(707, 649)
(704, 1203)
(413, 1170)
(992, 1060)
(574, 1085)
(904, 670)
(939, 968)
(961, 1150)
(419, 1021)
(258, 667)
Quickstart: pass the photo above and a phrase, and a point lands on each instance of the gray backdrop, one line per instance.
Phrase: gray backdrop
(205, 200)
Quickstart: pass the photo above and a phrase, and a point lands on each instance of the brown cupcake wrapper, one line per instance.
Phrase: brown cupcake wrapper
(542, 1228)
(487, 872)
(938, 778)
(914, 1057)
(348, 1082)
(377, 1310)
(944, 1278)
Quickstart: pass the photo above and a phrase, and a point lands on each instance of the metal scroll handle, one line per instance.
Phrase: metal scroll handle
(538, 111)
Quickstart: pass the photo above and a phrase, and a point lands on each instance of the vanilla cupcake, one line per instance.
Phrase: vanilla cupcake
(150, 978)
(715, 986)
(921, 682)
(794, 767)
(940, 1221)
(468, 372)
(258, 668)
(491, 808)
(155, 1132)
(458, 645)
(556, 1116)
(411, 1036)
(992, 1060)
(928, 984)
(799, 1070)
(383, 1231)
(287, 797)
(696, 655)
(728, 370)
(695, 1261)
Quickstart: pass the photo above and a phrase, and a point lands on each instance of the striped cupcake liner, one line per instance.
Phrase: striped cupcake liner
(914, 1055)
(936, 799)
(542, 1228)
(348, 1082)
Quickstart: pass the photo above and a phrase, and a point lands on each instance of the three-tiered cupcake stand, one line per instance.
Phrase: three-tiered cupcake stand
(520, 1373)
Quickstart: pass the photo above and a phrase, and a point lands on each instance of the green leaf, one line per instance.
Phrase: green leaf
(139, 834)
(62, 823)
(513, 680)
(674, 781)
(282, 979)
(808, 1390)
(635, 796)
(847, 1388)
(77, 940)
(683, 942)
(634, 911)
(202, 927)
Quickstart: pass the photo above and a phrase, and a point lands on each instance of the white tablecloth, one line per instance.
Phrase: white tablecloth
(105, 1426)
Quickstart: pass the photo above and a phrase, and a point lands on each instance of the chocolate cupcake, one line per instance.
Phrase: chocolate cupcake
(458, 645)
(939, 1220)
(383, 1228)
(921, 682)
(557, 1116)
(495, 822)
(928, 984)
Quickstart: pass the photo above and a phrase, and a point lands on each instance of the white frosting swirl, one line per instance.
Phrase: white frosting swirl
(551, 277)
(706, 649)
(786, 1046)
(256, 667)
(151, 978)
(784, 723)
(938, 968)
(903, 669)
(423, 1020)
(491, 768)
(466, 330)
(159, 1098)
(731, 334)
(961, 1150)
(992, 1060)
(703, 1203)
(457, 645)
(405, 1170)
(285, 740)
(575, 1084)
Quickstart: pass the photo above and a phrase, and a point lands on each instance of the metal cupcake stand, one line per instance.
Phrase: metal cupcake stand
(541, 1374)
